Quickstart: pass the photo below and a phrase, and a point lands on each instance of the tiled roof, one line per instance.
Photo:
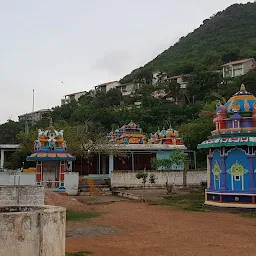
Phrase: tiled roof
(174, 77)
(74, 93)
(238, 62)
(104, 84)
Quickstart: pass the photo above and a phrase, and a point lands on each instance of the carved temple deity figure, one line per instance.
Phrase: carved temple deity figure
(51, 158)
(231, 158)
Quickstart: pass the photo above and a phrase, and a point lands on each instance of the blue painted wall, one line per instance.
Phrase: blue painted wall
(239, 156)
(215, 181)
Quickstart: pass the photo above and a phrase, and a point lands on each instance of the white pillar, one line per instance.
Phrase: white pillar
(2, 159)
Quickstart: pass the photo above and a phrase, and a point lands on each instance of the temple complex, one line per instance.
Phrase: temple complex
(134, 151)
(52, 159)
(231, 158)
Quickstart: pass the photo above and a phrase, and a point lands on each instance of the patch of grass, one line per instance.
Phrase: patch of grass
(190, 202)
(84, 253)
(76, 216)
(249, 215)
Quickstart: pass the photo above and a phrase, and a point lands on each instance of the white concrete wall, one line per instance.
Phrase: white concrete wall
(71, 182)
(128, 178)
(112, 86)
(17, 178)
(196, 177)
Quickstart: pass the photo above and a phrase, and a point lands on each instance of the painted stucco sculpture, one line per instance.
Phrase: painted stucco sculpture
(51, 158)
(169, 136)
(128, 134)
(231, 158)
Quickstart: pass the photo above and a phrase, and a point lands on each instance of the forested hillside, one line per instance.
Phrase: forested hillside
(226, 36)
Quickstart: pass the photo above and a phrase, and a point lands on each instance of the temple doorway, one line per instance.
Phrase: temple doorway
(51, 174)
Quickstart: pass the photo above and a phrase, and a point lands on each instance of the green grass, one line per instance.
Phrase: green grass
(84, 253)
(76, 216)
(249, 215)
(194, 202)
(190, 202)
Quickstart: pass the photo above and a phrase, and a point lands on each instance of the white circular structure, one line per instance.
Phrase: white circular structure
(32, 231)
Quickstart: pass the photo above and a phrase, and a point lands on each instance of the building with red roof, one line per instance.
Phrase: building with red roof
(238, 68)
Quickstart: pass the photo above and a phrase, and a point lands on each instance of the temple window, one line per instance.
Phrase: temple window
(237, 178)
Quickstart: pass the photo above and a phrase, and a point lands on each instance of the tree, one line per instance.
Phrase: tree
(26, 148)
(82, 140)
(228, 35)
(143, 176)
(176, 159)
(9, 131)
(202, 83)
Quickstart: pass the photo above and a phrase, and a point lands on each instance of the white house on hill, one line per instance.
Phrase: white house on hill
(238, 68)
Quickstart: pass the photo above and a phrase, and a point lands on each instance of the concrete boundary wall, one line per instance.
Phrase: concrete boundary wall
(29, 179)
(21, 195)
(128, 179)
(17, 178)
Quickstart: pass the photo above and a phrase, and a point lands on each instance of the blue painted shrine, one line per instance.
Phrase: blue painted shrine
(231, 158)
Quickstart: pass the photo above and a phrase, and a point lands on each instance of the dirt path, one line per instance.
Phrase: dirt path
(146, 230)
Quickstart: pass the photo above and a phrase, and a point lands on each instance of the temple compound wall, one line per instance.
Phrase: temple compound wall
(25, 179)
(178, 178)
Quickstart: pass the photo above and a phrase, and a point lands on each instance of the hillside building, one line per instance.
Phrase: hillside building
(159, 77)
(104, 88)
(238, 68)
(182, 80)
(128, 88)
(6, 151)
(72, 96)
(36, 115)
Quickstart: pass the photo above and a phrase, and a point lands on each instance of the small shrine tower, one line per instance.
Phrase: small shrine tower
(51, 156)
(231, 158)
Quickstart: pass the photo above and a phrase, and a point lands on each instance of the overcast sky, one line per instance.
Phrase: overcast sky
(84, 43)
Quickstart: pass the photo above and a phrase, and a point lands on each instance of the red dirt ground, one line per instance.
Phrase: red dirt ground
(147, 230)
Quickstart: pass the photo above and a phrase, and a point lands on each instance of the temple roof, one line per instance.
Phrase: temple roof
(232, 141)
(54, 156)
(242, 102)
(50, 146)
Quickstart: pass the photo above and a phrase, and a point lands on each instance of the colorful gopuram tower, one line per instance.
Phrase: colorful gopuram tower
(51, 158)
(128, 134)
(231, 158)
(169, 137)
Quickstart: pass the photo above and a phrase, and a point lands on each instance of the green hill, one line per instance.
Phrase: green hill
(226, 36)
